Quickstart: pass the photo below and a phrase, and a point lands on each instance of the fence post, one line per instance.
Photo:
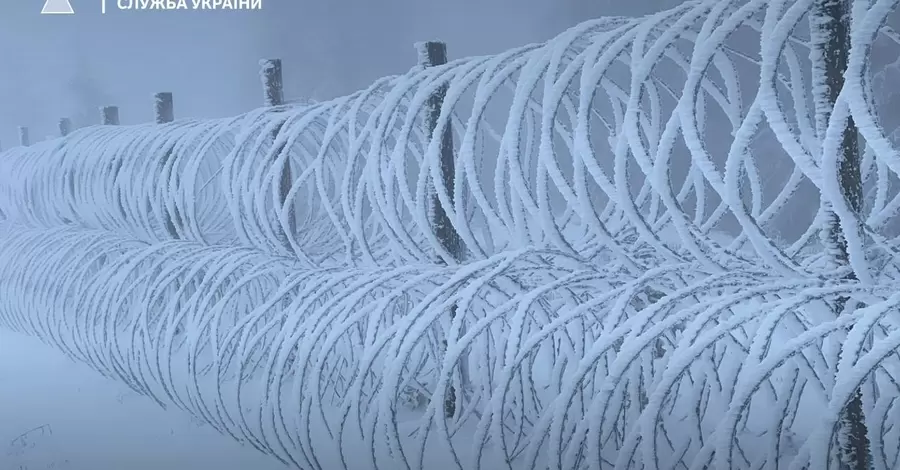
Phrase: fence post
(430, 54)
(109, 115)
(273, 84)
(164, 112)
(24, 140)
(273, 95)
(433, 53)
(165, 107)
(65, 127)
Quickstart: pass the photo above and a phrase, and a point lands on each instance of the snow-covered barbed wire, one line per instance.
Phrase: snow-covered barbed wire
(685, 136)
(641, 288)
(567, 365)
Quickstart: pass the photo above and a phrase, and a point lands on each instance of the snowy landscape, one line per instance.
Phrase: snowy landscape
(651, 242)
(62, 415)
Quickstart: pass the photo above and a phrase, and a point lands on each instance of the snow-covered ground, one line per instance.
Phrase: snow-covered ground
(59, 414)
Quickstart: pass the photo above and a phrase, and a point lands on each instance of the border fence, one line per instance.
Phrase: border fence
(653, 243)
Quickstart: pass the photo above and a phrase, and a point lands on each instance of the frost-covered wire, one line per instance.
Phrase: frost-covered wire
(639, 138)
(569, 365)
(641, 288)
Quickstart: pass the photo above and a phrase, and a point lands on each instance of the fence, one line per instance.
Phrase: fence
(618, 266)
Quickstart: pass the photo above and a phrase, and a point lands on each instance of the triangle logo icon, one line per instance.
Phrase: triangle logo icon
(57, 7)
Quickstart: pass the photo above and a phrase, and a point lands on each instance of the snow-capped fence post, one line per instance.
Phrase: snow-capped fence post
(830, 51)
(24, 140)
(65, 127)
(164, 110)
(109, 115)
(273, 84)
(430, 54)
(273, 95)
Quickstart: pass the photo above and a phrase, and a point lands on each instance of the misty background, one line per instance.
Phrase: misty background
(69, 65)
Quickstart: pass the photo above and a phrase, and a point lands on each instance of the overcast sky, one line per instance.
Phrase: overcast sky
(54, 66)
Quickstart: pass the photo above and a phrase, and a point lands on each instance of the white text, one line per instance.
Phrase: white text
(189, 5)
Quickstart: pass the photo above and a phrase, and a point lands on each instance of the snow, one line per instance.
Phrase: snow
(59, 414)
(638, 291)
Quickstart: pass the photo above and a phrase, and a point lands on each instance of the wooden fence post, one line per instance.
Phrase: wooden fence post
(24, 140)
(273, 95)
(163, 113)
(433, 53)
(164, 110)
(65, 127)
(109, 115)
(273, 84)
(430, 54)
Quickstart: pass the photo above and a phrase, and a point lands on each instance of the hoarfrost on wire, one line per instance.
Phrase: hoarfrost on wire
(635, 292)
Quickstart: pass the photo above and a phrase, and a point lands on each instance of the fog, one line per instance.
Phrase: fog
(55, 66)
(290, 316)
